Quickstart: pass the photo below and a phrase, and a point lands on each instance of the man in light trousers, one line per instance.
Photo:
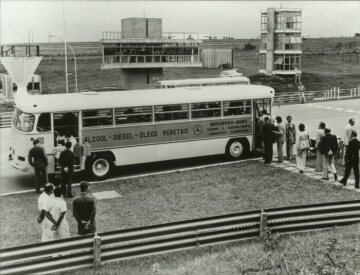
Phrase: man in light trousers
(319, 158)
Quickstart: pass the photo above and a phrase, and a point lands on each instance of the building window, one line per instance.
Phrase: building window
(287, 62)
(288, 20)
(288, 41)
(263, 44)
(264, 21)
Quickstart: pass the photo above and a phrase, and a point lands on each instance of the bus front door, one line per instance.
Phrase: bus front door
(66, 128)
(262, 108)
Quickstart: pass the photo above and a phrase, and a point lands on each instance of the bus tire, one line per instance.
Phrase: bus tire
(236, 149)
(100, 167)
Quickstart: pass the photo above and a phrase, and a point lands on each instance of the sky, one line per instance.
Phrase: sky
(86, 20)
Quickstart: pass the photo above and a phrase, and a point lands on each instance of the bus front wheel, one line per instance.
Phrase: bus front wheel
(235, 149)
(100, 167)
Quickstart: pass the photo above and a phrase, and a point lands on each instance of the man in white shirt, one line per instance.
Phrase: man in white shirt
(349, 127)
(319, 158)
(45, 218)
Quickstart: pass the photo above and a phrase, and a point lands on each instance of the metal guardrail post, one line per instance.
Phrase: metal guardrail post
(338, 93)
(263, 222)
(97, 251)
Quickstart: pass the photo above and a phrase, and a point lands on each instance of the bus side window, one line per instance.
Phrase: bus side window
(44, 123)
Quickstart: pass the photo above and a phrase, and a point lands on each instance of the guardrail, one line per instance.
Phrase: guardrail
(88, 251)
(333, 94)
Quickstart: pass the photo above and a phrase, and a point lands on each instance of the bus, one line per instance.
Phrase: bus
(140, 126)
(198, 82)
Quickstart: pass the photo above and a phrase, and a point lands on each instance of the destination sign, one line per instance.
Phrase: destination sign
(166, 132)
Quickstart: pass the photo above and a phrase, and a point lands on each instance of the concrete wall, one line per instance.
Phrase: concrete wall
(270, 40)
(141, 28)
(136, 79)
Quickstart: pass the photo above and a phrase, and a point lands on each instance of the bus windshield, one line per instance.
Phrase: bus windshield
(23, 121)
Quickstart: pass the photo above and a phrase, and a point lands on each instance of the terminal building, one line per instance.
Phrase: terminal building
(280, 49)
(141, 50)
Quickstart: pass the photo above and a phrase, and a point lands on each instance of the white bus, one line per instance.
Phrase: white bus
(198, 82)
(130, 127)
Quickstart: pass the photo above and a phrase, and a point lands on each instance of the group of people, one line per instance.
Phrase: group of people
(38, 159)
(53, 208)
(326, 146)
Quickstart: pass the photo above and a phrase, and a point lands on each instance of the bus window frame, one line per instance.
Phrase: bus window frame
(134, 114)
(172, 112)
(16, 119)
(92, 117)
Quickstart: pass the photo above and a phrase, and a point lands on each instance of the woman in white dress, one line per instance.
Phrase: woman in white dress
(302, 146)
(57, 209)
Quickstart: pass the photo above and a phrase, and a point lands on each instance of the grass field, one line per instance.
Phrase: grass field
(178, 196)
(327, 253)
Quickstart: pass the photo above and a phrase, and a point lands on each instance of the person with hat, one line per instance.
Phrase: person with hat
(38, 159)
(84, 210)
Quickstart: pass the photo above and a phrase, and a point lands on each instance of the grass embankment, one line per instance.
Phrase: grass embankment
(178, 196)
(327, 252)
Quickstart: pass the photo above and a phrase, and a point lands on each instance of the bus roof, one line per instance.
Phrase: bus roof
(132, 98)
(204, 80)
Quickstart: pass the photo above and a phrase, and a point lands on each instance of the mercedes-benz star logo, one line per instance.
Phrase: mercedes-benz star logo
(197, 130)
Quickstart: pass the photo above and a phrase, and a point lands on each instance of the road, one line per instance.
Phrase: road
(335, 114)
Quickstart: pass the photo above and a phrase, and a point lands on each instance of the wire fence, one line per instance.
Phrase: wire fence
(94, 250)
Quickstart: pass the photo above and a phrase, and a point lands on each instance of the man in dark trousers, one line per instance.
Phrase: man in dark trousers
(84, 210)
(38, 159)
(328, 148)
(268, 134)
(66, 161)
(352, 159)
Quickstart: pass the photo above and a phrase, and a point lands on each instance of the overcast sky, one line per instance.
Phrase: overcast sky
(85, 20)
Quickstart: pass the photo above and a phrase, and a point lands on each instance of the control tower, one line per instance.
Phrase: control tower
(141, 50)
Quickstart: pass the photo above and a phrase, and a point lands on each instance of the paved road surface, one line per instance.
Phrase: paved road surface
(335, 114)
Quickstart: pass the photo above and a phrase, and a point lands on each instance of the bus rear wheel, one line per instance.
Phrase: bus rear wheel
(235, 149)
(100, 167)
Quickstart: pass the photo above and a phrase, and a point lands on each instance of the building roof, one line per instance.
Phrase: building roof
(114, 99)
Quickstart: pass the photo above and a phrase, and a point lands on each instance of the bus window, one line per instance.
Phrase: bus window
(44, 123)
(23, 121)
(235, 108)
(204, 110)
(133, 115)
(95, 118)
(66, 124)
(171, 112)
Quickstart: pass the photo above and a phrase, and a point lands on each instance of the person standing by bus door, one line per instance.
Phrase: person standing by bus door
(269, 132)
(280, 139)
(38, 159)
(66, 161)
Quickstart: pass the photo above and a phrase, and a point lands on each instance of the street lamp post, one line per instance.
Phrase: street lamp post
(66, 72)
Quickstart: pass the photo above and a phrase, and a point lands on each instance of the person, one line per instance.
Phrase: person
(280, 140)
(328, 150)
(66, 161)
(301, 89)
(44, 217)
(84, 210)
(38, 159)
(269, 131)
(352, 159)
(319, 159)
(261, 123)
(349, 127)
(57, 209)
(57, 181)
(290, 131)
(302, 146)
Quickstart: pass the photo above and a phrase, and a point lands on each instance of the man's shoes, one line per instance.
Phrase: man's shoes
(325, 178)
(357, 186)
(301, 171)
(342, 182)
(335, 177)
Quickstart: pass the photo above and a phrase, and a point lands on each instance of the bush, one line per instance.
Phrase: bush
(249, 47)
